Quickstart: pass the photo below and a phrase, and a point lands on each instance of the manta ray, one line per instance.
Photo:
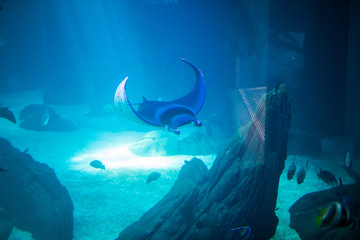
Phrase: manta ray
(168, 114)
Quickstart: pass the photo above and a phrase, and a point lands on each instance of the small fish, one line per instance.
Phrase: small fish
(152, 177)
(245, 233)
(348, 161)
(300, 176)
(3, 169)
(326, 176)
(333, 216)
(97, 164)
(7, 114)
(291, 170)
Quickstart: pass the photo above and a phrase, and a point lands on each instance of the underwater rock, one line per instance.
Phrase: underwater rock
(40, 117)
(304, 211)
(32, 197)
(152, 177)
(97, 164)
(240, 189)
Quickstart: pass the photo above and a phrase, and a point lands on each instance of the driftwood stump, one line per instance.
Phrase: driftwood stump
(32, 198)
(240, 189)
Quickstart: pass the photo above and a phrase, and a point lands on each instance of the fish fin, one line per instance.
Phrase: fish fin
(144, 99)
(319, 218)
(242, 233)
(7, 114)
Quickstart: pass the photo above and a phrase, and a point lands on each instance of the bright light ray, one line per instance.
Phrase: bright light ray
(252, 98)
(119, 157)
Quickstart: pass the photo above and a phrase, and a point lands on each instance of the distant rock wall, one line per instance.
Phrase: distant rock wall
(31, 197)
(240, 189)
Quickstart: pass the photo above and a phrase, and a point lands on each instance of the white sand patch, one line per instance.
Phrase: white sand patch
(117, 156)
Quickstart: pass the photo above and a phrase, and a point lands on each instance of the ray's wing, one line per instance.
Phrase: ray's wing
(7, 114)
(196, 97)
(149, 111)
(122, 104)
(159, 113)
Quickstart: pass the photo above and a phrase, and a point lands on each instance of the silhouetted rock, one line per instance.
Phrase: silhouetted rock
(32, 198)
(240, 189)
(40, 117)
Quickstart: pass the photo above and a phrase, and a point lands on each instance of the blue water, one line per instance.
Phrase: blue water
(72, 55)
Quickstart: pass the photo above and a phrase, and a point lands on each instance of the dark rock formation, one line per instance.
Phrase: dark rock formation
(304, 211)
(32, 197)
(239, 190)
(40, 117)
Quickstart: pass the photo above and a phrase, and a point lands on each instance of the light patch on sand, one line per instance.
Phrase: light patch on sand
(119, 156)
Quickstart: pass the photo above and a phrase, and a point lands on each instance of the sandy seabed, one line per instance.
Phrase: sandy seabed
(107, 201)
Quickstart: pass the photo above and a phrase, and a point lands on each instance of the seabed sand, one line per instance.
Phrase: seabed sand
(107, 201)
